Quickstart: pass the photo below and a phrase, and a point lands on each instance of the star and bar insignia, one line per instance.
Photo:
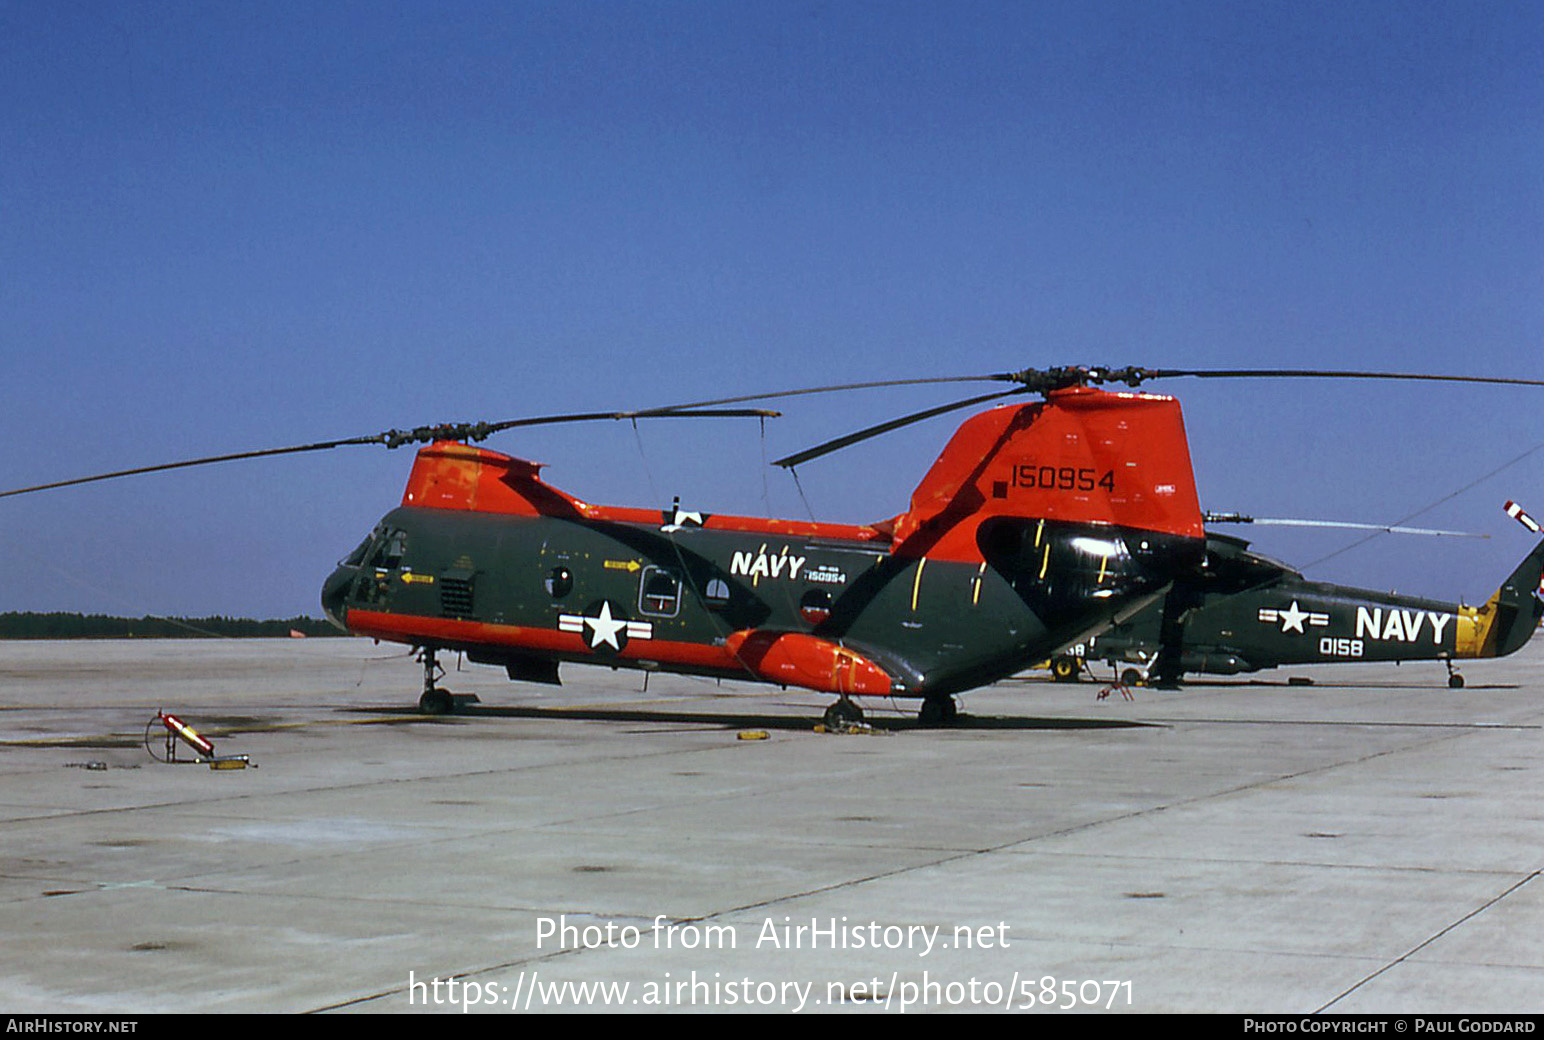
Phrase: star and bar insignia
(604, 625)
(1293, 617)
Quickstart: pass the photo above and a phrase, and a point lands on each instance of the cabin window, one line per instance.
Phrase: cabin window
(717, 593)
(659, 593)
(815, 606)
(559, 583)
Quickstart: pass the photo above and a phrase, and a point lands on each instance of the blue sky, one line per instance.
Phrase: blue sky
(226, 227)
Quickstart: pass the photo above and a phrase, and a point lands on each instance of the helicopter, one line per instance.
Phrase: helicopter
(1039, 525)
(1243, 612)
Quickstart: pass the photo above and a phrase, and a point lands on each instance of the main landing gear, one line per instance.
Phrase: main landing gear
(842, 714)
(1455, 681)
(935, 711)
(433, 701)
(938, 711)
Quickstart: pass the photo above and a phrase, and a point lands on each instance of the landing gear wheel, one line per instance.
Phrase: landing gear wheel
(938, 711)
(1131, 677)
(842, 714)
(1065, 668)
(433, 701)
(1456, 681)
(436, 702)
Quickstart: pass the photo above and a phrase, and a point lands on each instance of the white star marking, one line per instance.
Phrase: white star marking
(604, 628)
(682, 520)
(1292, 618)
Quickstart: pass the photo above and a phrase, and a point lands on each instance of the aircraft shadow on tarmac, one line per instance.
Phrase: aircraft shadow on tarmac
(793, 723)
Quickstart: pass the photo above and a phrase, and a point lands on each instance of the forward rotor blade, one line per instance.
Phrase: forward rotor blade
(321, 446)
(894, 424)
(677, 412)
(421, 434)
(998, 377)
(1265, 521)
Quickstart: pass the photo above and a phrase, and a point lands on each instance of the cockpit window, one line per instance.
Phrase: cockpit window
(355, 558)
(389, 550)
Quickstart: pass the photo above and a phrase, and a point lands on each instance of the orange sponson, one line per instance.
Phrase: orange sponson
(797, 659)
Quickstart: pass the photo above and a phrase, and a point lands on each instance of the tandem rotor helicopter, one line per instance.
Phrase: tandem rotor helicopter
(1041, 524)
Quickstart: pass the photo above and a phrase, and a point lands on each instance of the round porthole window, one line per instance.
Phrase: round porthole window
(815, 606)
(559, 583)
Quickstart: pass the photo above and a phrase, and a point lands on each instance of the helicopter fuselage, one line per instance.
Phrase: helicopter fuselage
(1038, 525)
(822, 607)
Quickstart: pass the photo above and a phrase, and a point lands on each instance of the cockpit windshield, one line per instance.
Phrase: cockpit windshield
(384, 549)
(355, 558)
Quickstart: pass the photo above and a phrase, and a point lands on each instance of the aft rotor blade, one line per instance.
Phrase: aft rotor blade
(894, 424)
(421, 434)
(1058, 378)
(1266, 521)
(1306, 373)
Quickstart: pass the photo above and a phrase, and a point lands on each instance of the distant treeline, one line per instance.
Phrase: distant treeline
(28, 625)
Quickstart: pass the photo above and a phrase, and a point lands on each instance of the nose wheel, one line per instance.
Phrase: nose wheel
(433, 701)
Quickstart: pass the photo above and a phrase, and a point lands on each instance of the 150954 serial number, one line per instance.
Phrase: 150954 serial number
(1062, 478)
